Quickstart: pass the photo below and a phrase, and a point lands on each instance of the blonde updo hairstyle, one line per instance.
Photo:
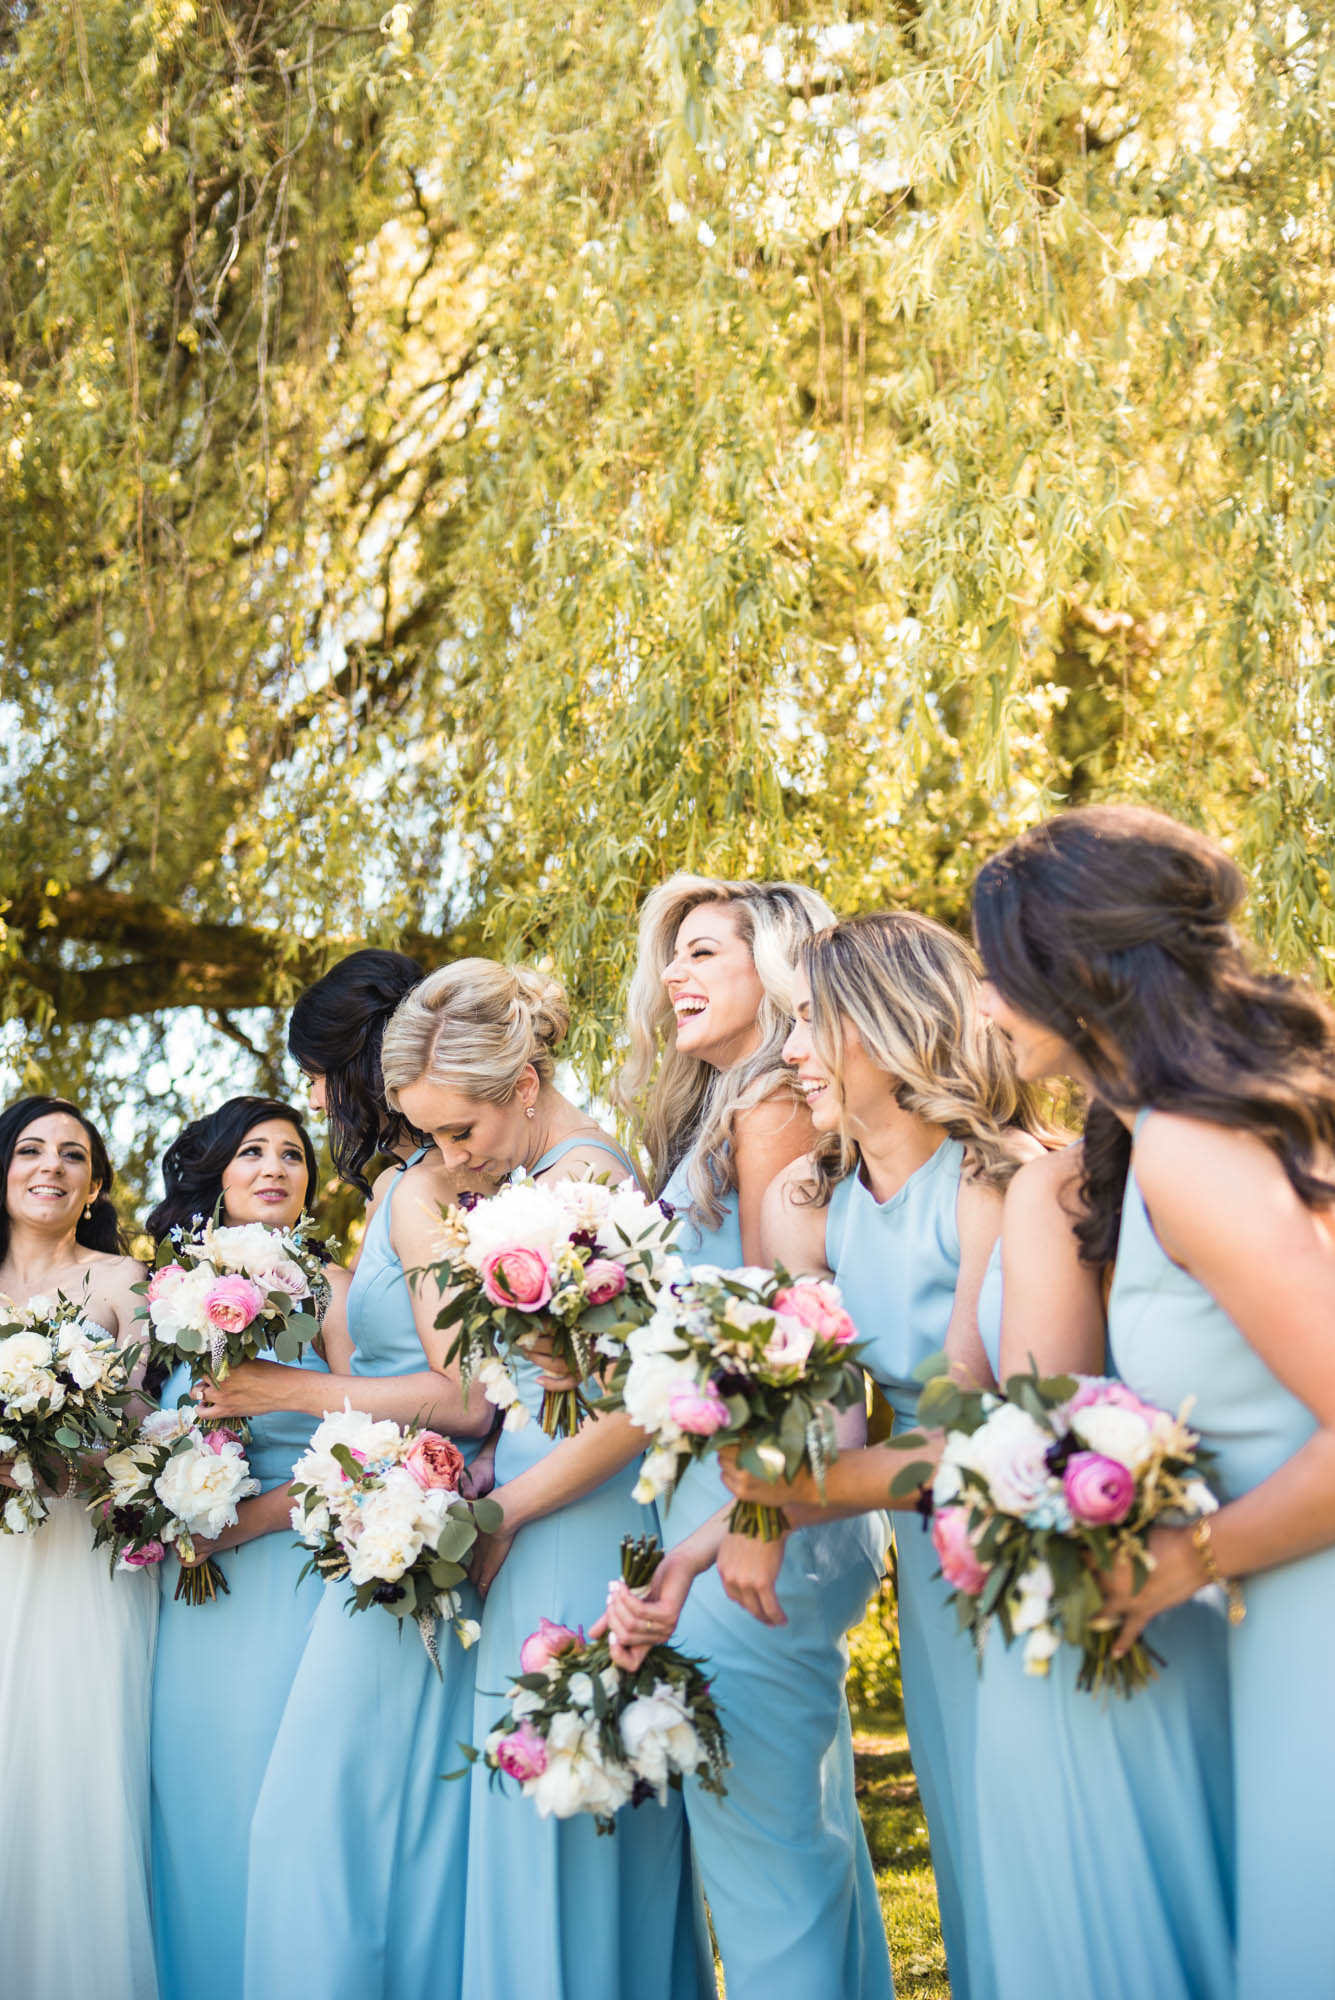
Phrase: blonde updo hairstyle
(473, 1027)
(910, 989)
(681, 1104)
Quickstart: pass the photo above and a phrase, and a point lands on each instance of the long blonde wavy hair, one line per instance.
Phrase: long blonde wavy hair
(680, 1104)
(909, 987)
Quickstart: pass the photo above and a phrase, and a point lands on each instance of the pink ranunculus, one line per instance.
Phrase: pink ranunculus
(143, 1558)
(434, 1461)
(954, 1544)
(232, 1303)
(522, 1754)
(517, 1276)
(547, 1643)
(790, 1343)
(218, 1437)
(1099, 1491)
(1100, 1389)
(818, 1306)
(164, 1281)
(700, 1412)
(604, 1280)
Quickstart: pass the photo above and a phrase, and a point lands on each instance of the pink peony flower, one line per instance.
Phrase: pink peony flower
(604, 1280)
(522, 1754)
(1098, 1390)
(701, 1412)
(818, 1306)
(143, 1558)
(434, 1461)
(1099, 1491)
(954, 1544)
(165, 1280)
(790, 1343)
(218, 1437)
(547, 1643)
(232, 1303)
(517, 1276)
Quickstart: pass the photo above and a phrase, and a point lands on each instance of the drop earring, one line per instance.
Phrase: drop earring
(87, 1210)
(529, 1111)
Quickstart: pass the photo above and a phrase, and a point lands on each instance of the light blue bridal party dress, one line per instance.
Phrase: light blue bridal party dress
(222, 1678)
(557, 1911)
(1105, 1823)
(1170, 1340)
(357, 1853)
(897, 1264)
(782, 1858)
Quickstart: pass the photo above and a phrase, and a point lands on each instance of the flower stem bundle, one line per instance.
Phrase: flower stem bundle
(581, 1734)
(1041, 1490)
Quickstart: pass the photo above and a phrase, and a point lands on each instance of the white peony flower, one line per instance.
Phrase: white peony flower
(660, 1737)
(651, 1382)
(181, 1306)
(201, 1488)
(248, 1247)
(1115, 1433)
(41, 1306)
(165, 1426)
(520, 1213)
(584, 1203)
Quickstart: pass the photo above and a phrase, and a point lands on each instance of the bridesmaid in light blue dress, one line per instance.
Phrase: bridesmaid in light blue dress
(920, 1124)
(225, 1668)
(554, 1911)
(782, 1856)
(1105, 1824)
(1107, 935)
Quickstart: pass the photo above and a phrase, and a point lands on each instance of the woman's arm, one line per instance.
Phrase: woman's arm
(267, 1514)
(978, 1212)
(767, 1139)
(1224, 1209)
(1052, 1314)
(632, 1623)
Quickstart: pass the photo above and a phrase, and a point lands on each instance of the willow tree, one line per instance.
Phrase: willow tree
(459, 464)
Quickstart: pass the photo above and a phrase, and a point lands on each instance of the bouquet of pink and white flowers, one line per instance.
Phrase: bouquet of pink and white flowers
(582, 1734)
(175, 1479)
(228, 1293)
(577, 1263)
(379, 1503)
(64, 1388)
(1039, 1490)
(749, 1358)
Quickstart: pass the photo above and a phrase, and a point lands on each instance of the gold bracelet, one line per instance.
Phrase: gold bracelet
(1202, 1540)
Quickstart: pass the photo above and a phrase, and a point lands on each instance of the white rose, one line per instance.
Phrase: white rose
(24, 1357)
(285, 1277)
(41, 1306)
(1039, 1648)
(1115, 1433)
(1009, 1451)
(87, 1364)
(128, 1472)
(248, 1247)
(790, 1343)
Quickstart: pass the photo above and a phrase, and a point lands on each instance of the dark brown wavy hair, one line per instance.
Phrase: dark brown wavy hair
(1112, 926)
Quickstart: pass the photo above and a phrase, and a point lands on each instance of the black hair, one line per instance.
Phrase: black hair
(1111, 925)
(98, 1230)
(194, 1163)
(336, 1030)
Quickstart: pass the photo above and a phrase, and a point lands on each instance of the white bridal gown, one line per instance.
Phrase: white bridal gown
(76, 1668)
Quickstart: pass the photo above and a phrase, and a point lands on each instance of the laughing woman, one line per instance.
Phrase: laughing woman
(76, 1643)
(1211, 1146)
(225, 1668)
(920, 1123)
(782, 1857)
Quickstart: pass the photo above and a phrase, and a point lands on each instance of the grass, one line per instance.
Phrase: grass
(897, 1836)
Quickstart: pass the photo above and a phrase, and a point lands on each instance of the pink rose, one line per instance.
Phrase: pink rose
(954, 1544)
(1099, 1491)
(164, 1281)
(547, 1643)
(143, 1558)
(232, 1303)
(604, 1280)
(218, 1437)
(517, 1276)
(285, 1277)
(434, 1461)
(819, 1307)
(701, 1412)
(522, 1754)
(790, 1343)
(1099, 1389)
